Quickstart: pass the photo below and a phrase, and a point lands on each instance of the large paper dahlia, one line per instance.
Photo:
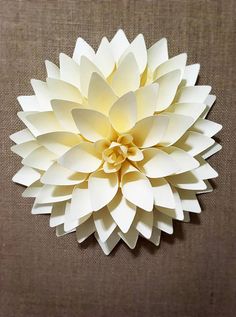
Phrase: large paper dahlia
(116, 141)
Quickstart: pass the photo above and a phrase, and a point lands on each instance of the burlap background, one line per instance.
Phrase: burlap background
(192, 273)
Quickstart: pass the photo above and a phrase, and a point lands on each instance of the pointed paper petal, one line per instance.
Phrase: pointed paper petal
(53, 70)
(22, 136)
(109, 244)
(163, 222)
(41, 209)
(143, 223)
(157, 54)
(211, 150)
(69, 70)
(104, 224)
(156, 236)
(100, 95)
(210, 99)
(92, 124)
(149, 131)
(178, 125)
(193, 110)
(138, 49)
(81, 202)
(176, 62)
(82, 48)
(103, 188)
(59, 142)
(122, 211)
(163, 195)
(123, 114)
(194, 143)
(187, 180)
(51, 194)
(197, 94)
(168, 85)
(26, 176)
(206, 127)
(82, 158)
(62, 110)
(58, 214)
(184, 161)
(24, 149)
(157, 163)
(86, 70)
(85, 230)
(59, 175)
(42, 94)
(127, 77)
(119, 44)
(146, 100)
(62, 90)
(130, 237)
(189, 200)
(204, 171)
(190, 74)
(30, 103)
(104, 59)
(40, 158)
(137, 189)
(33, 190)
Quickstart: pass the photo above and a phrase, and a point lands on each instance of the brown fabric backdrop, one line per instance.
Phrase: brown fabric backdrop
(192, 273)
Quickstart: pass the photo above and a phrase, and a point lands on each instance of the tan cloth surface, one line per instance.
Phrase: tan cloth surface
(192, 273)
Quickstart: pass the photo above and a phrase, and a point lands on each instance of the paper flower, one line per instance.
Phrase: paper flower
(116, 141)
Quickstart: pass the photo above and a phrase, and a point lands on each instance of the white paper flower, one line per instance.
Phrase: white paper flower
(116, 141)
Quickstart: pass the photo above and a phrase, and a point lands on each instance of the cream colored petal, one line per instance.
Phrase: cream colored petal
(156, 236)
(149, 131)
(157, 163)
(157, 54)
(208, 189)
(193, 110)
(211, 150)
(59, 142)
(189, 201)
(23, 117)
(146, 100)
(53, 70)
(204, 171)
(206, 127)
(130, 237)
(42, 94)
(62, 110)
(26, 176)
(194, 143)
(123, 113)
(85, 230)
(38, 121)
(58, 214)
(92, 124)
(59, 175)
(41, 209)
(69, 70)
(100, 95)
(178, 125)
(111, 168)
(137, 189)
(168, 85)
(127, 76)
(190, 74)
(209, 101)
(72, 222)
(30, 103)
(122, 211)
(61, 232)
(176, 62)
(143, 223)
(81, 201)
(33, 190)
(119, 44)
(163, 194)
(82, 48)
(22, 136)
(135, 154)
(82, 158)
(104, 59)
(197, 94)
(24, 149)
(187, 180)
(103, 188)
(40, 158)
(177, 211)
(87, 68)
(52, 194)
(104, 224)
(184, 161)
(109, 244)
(62, 90)
(163, 222)
(138, 49)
